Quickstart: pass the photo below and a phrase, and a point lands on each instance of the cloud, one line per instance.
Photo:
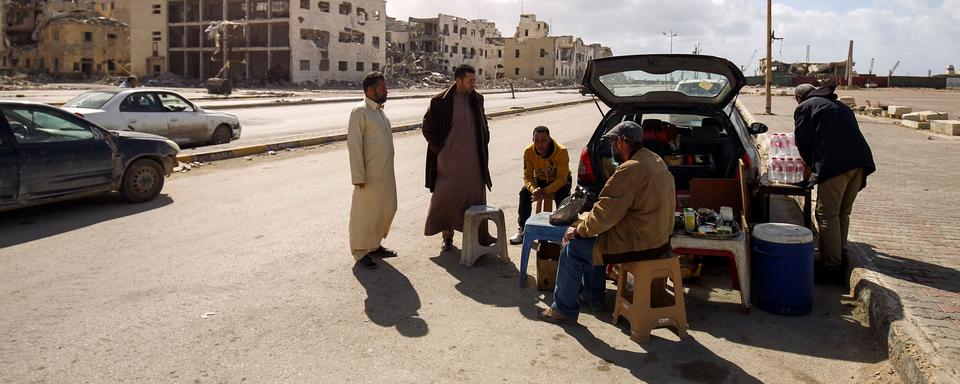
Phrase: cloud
(919, 33)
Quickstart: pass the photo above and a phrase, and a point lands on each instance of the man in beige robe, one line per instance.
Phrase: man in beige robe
(370, 145)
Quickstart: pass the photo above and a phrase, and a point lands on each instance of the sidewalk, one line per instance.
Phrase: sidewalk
(904, 248)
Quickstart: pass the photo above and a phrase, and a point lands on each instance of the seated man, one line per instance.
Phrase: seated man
(631, 221)
(546, 170)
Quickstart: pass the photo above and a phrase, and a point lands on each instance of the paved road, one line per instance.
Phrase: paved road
(267, 124)
(240, 272)
(904, 224)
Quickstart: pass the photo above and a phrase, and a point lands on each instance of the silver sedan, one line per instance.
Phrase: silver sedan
(157, 111)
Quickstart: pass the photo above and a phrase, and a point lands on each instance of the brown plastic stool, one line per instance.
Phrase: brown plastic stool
(545, 204)
(652, 303)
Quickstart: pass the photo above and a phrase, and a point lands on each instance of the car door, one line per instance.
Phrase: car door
(9, 167)
(186, 123)
(141, 112)
(59, 153)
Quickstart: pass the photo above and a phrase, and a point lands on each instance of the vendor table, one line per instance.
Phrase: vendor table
(768, 187)
(538, 227)
(734, 248)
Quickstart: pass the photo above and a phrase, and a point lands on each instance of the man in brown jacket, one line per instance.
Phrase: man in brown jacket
(631, 221)
(457, 171)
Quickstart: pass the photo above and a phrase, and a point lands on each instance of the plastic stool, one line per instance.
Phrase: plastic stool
(545, 204)
(474, 217)
(651, 303)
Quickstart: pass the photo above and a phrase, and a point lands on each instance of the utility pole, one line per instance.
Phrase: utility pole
(850, 66)
(769, 53)
(671, 35)
(808, 54)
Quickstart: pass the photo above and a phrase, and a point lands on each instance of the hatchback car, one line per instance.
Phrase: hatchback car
(156, 111)
(685, 104)
(48, 155)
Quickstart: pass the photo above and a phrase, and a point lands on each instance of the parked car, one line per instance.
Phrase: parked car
(48, 154)
(156, 111)
(685, 104)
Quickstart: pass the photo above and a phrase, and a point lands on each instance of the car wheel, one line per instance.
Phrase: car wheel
(142, 181)
(221, 135)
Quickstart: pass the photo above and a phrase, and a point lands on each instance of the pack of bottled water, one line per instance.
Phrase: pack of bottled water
(784, 164)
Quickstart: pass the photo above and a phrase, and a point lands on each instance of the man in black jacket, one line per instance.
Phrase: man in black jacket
(838, 161)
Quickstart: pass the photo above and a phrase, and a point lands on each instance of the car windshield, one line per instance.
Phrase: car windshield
(689, 83)
(91, 100)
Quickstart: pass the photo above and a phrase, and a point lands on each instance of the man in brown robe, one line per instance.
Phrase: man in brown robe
(457, 170)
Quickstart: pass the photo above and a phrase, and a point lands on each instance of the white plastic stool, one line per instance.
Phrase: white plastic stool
(476, 216)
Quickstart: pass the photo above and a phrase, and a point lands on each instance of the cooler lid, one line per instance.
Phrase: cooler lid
(782, 233)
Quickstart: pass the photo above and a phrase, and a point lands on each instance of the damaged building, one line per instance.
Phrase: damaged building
(276, 40)
(440, 44)
(62, 38)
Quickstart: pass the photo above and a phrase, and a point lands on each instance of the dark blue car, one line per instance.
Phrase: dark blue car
(48, 155)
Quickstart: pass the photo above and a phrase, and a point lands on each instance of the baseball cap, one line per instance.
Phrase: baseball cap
(627, 130)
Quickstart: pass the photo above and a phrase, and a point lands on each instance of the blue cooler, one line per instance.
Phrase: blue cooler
(782, 268)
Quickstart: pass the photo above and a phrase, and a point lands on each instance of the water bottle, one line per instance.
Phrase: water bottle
(788, 144)
(775, 145)
(791, 171)
(776, 169)
(801, 169)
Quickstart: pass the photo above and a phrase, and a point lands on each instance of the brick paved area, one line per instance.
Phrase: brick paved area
(905, 228)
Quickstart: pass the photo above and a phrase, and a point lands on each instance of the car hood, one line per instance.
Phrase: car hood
(663, 81)
(226, 115)
(83, 111)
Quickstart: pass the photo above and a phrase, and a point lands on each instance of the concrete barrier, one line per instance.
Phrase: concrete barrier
(931, 116)
(897, 111)
(918, 125)
(912, 116)
(946, 127)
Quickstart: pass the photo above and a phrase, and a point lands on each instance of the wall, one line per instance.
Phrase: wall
(63, 49)
(531, 60)
(364, 33)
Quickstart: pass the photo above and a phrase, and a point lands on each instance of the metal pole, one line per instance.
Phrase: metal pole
(850, 66)
(769, 53)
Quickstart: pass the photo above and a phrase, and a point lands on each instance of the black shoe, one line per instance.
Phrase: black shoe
(828, 275)
(366, 262)
(382, 253)
(447, 245)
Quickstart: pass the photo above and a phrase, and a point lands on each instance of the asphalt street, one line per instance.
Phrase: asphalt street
(239, 272)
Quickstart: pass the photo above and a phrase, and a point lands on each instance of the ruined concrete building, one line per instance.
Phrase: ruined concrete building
(62, 37)
(444, 42)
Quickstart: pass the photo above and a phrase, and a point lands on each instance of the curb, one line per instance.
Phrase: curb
(327, 139)
(910, 353)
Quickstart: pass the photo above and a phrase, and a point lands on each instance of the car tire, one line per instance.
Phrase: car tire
(142, 181)
(221, 135)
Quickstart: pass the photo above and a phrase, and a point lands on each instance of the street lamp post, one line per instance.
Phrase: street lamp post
(670, 35)
(769, 71)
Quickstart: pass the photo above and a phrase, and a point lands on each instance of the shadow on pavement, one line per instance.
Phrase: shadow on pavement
(35, 223)
(391, 300)
(686, 359)
(825, 332)
(490, 282)
(930, 275)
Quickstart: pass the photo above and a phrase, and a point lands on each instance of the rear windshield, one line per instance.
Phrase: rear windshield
(91, 100)
(690, 83)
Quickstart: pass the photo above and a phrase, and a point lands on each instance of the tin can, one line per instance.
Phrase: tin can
(689, 219)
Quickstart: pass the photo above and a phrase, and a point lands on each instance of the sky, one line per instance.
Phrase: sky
(922, 34)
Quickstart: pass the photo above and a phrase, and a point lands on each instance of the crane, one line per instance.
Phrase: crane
(871, 66)
(894, 69)
(743, 68)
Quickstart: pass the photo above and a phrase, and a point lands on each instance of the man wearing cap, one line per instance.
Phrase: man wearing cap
(838, 160)
(546, 171)
(632, 220)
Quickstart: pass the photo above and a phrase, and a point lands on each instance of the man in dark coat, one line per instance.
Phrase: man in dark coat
(457, 170)
(838, 161)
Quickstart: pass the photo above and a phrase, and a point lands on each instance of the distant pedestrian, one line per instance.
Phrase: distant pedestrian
(370, 146)
(457, 172)
(838, 161)
(130, 82)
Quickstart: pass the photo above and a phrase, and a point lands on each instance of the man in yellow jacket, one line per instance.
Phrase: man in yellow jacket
(546, 171)
(632, 220)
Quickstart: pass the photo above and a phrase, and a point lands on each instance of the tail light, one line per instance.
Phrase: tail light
(585, 171)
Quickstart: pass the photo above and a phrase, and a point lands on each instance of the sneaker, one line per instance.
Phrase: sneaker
(518, 238)
(447, 245)
(552, 316)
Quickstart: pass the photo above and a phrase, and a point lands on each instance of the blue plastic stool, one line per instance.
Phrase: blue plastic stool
(538, 227)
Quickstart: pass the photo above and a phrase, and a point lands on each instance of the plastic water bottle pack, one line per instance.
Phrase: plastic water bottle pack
(784, 164)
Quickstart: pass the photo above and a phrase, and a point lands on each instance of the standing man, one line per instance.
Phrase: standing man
(370, 145)
(838, 161)
(546, 171)
(457, 172)
(632, 220)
